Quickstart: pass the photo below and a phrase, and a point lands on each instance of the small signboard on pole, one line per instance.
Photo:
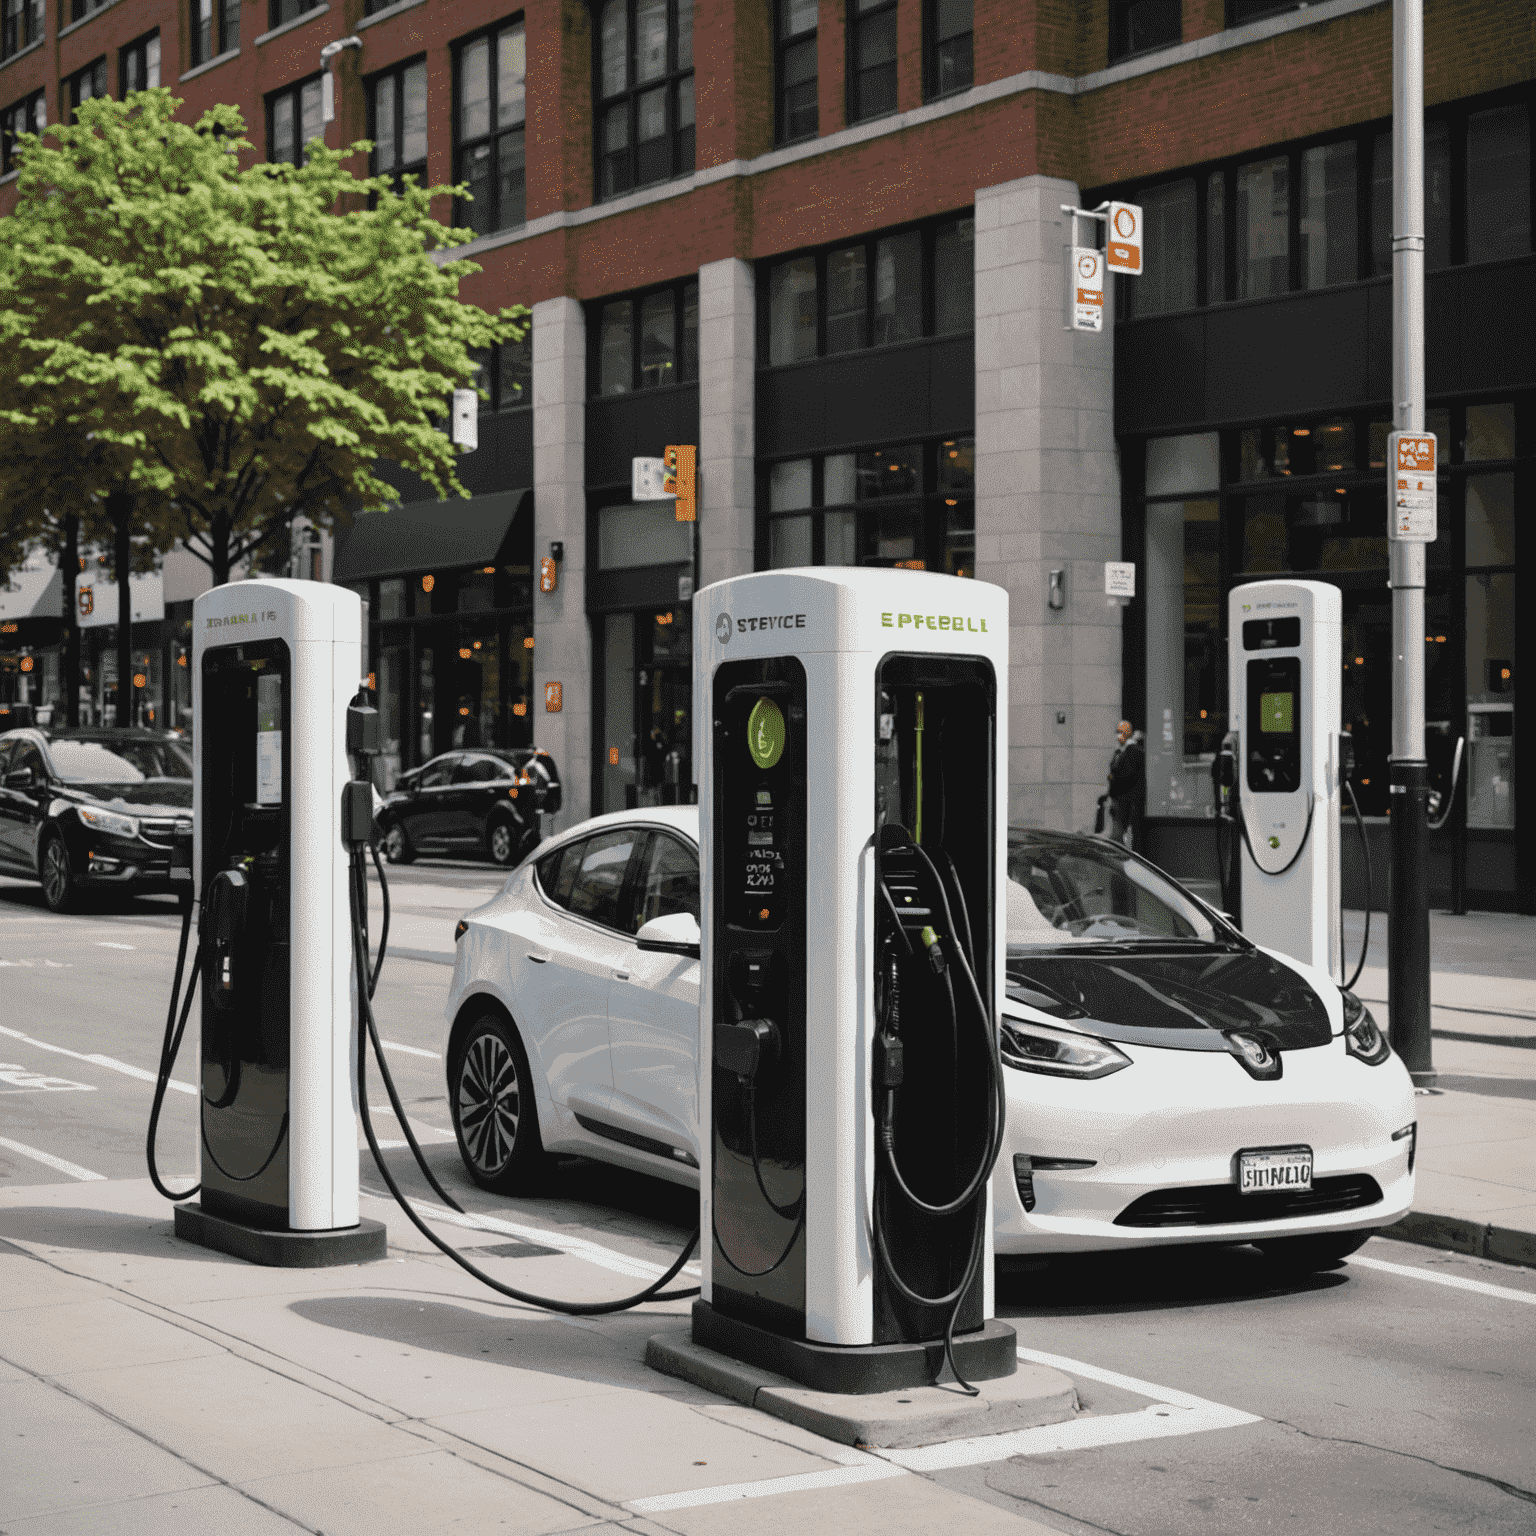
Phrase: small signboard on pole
(645, 480)
(1087, 279)
(1123, 238)
(1411, 488)
(1119, 578)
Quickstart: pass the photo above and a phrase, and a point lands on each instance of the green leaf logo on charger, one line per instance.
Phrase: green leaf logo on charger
(765, 733)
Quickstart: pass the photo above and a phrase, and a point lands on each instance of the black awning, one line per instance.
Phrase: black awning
(428, 535)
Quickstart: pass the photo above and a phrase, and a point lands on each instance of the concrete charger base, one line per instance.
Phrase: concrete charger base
(900, 1418)
(282, 1250)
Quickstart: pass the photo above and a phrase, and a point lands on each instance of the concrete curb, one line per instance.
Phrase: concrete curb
(1482, 1240)
(905, 1418)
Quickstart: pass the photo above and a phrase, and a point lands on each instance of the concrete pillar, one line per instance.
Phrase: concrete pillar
(562, 637)
(727, 359)
(1047, 497)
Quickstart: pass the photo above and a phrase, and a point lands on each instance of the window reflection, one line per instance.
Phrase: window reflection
(1263, 228)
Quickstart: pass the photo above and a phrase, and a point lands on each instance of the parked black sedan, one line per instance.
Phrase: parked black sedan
(487, 800)
(103, 808)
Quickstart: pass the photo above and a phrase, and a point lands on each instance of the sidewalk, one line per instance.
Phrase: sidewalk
(1476, 1186)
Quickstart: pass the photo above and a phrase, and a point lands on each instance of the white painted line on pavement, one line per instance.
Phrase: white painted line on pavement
(109, 1062)
(1457, 1282)
(108, 944)
(74, 1170)
(410, 1050)
(576, 1247)
(26, 1081)
(1171, 1413)
(419, 1126)
(803, 1482)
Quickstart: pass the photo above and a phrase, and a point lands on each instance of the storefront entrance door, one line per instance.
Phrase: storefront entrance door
(646, 709)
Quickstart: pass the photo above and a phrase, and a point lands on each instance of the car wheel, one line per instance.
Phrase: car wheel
(493, 1109)
(397, 846)
(59, 888)
(502, 841)
(1302, 1253)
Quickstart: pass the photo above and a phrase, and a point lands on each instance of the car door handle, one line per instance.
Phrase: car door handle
(621, 975)
(538, 959)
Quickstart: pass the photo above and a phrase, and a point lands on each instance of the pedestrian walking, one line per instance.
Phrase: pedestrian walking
(1127, 793)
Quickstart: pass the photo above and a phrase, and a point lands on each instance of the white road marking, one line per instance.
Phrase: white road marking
(576, 1247)
(95, 1059)
(27, 1081)
(410, 1050)
(1457, 1282)
(74, 1170)
(108, 944)
(418, 1126)
(803, 1482)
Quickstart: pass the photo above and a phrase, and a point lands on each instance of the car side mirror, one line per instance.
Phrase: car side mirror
(675, 934)
(20, 778)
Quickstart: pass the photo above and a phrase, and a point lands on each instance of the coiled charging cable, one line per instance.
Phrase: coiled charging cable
(170, 1045)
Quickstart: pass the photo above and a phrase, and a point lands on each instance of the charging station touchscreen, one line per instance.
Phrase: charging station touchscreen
(244, 706)
(758, 980)
(1274, 734)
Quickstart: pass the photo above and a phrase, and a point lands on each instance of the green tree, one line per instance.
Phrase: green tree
(230, 345)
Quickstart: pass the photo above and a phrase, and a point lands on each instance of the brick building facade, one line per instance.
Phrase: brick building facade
(822, 239)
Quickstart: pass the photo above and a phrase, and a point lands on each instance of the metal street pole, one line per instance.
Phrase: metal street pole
(1408, 920)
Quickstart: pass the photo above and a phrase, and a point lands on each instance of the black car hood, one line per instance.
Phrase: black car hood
(1180, 999)
(170, 797)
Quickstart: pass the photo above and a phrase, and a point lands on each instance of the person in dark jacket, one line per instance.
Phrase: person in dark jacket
(1127, 785)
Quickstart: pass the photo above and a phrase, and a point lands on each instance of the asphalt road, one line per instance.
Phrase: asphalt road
(1396, 1393)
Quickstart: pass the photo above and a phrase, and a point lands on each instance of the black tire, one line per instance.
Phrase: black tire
(61, 891)
(491, 1100)
(504, 841)
(396, 845)
(1320, 1252)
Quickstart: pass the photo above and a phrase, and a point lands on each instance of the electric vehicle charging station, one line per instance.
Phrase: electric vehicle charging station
(275, 663)
(1285, 658)
(851, 734)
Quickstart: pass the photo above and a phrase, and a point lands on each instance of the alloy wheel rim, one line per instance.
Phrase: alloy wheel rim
(394, 843)
(55, 872)
(489, 1103)
(501, 843)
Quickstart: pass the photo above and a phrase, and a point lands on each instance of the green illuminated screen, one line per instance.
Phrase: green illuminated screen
(1277, 713)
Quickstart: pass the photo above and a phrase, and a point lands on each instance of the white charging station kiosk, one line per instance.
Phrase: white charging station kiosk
(851, 735)
(275, 664)
(1285, 658)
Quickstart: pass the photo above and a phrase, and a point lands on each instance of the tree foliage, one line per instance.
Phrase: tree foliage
(234, 344)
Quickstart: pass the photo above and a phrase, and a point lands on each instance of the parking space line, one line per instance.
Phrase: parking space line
(1456, 1282)
(110, 1062)
(58, 1164)
(803, 1482)
(409, 1050)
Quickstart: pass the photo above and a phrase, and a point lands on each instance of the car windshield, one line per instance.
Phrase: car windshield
(117, 762)
(1074, 891)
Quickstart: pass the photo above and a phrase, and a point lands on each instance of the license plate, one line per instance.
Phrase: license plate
(1270, 1170)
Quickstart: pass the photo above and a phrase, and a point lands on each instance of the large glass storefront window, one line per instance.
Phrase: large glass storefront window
(646, 661)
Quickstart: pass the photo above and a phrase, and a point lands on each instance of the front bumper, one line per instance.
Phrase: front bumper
(1166, 1131)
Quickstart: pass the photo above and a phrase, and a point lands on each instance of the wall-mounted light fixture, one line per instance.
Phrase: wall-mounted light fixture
(1056, 591)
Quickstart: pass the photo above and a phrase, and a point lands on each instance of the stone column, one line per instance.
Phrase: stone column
(727, 359)
(563, 642)
(1047, 497)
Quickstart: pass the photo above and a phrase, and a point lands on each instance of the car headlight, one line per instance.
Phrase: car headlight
(108, 821)
(1363, 1038)
(1035, 1047)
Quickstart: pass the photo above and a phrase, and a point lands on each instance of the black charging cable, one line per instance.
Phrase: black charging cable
(170, 1046)
(1370, 891)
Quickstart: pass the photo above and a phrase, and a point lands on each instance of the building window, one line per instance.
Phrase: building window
(1240, 12)
(21, 25)
(796, 73)
(1138, 26)
(29, 115)
(1499, 183)
(492, 150)
(293, 119)
(397, 106)
(871, 59)
(280, 12)
(1170, 220)
(649, 341)
(84, 85)
(948, 25)
(505, 377)
(1327, 245)
(1263, 220)
(215, 28)
(910, 506)
(80, 9)
(891, 288)
(138, 65)
(644, 128)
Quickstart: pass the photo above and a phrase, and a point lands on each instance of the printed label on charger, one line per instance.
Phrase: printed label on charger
(269, 739)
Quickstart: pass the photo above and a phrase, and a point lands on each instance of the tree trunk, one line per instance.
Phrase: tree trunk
(218, 540)
(69, 569)
(120, 510)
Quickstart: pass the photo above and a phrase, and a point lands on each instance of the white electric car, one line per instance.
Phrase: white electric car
(1169, 1082)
